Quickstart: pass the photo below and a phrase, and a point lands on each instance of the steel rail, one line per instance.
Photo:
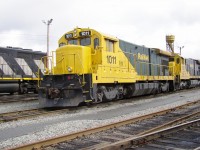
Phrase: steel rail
(16, 100)
(67, 137)
(24, 114)
(171, 123)
(139, 140)
(5, 117)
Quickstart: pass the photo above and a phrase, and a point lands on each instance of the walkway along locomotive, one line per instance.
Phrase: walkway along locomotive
(93, 67)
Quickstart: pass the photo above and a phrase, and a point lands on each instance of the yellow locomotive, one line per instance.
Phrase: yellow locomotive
(89, 66)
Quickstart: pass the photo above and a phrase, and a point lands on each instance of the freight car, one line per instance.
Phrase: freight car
(18, 69)
(93, 67)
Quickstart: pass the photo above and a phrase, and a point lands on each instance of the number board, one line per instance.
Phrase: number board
(111, 59)
(85, 33)
(68, 36)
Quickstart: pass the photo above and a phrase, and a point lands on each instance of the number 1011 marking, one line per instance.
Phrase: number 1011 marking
(111, 59)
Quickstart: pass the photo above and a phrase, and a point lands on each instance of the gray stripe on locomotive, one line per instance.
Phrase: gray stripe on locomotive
(18, 63)
(156, 65)
(197, 68)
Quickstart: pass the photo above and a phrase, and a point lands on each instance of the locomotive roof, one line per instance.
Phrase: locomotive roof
(18, 49)
(93, 30)
(162, 52)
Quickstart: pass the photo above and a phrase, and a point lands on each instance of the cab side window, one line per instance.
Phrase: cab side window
(177, 60)
(109, 45)
(96, 42)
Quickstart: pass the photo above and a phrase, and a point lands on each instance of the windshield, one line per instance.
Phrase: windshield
(74, 42)
(85, 41)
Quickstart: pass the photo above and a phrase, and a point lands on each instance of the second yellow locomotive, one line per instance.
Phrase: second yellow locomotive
(93, 67)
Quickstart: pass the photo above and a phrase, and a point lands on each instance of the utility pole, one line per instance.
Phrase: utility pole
(180, 48)
(48, 23)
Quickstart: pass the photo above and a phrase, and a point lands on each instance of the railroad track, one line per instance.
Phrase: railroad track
(25, 114)
(18, 98)
(4, 99)
(102, 137)
(31, 113)
(183, 136)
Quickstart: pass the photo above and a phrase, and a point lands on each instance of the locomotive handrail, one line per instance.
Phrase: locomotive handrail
(95, 50)
(82, 69)
(45, 69)
(63, 63)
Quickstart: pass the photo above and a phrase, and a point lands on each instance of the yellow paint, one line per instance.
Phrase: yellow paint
(142, 57)
(106, 62)
(73, 59)
(18, 78)
(153, 78)
(104, 65)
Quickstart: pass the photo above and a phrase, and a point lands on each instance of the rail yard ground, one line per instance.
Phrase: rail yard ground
(18, 102)
(43, 127)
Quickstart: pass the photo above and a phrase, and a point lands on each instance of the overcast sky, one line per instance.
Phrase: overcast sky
(143, 22)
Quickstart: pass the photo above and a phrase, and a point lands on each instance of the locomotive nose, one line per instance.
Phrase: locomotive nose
(73, 59)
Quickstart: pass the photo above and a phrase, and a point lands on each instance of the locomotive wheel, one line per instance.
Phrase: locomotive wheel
(99, 96)
(22, 89)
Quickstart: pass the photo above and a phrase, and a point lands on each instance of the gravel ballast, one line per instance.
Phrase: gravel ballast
(25, 131)
(18, 106)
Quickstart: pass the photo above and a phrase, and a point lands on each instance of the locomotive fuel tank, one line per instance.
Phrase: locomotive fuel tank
(9, 87)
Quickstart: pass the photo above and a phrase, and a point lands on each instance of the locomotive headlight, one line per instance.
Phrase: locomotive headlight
(69, 69)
